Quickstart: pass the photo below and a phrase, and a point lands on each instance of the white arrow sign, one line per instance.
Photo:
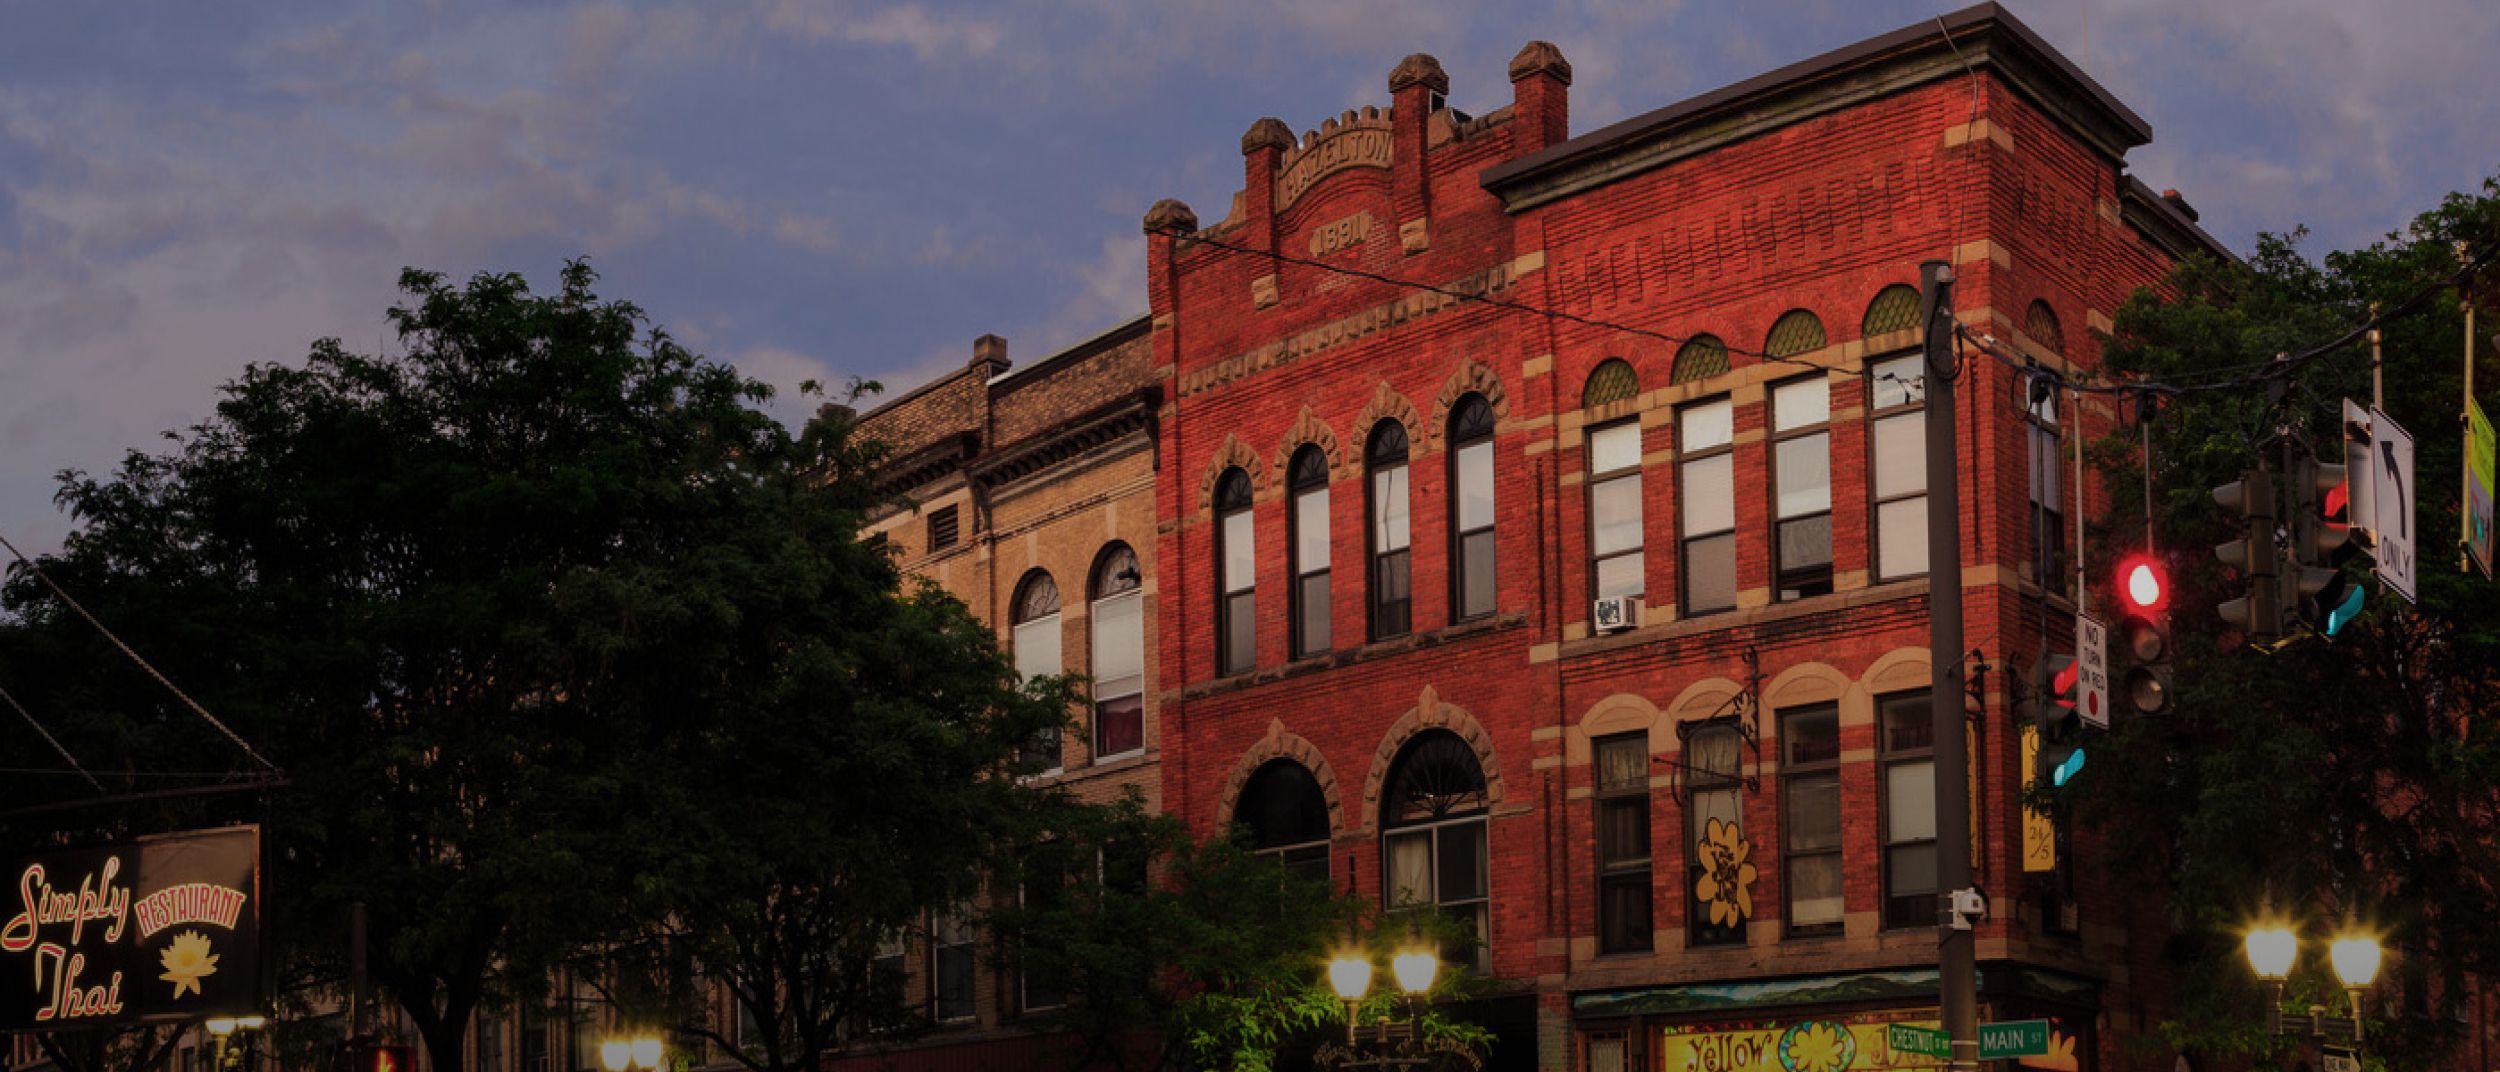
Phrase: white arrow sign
(2391, 502)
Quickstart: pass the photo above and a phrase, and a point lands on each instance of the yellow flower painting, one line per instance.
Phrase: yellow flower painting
(1817, 1046)
(2060, 1058)
(187, 961)
(1726, 882)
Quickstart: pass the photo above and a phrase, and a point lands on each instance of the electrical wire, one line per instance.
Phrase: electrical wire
(153, 672)
(29, 716)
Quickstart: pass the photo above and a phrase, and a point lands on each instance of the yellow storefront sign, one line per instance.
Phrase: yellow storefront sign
(1841, 1044)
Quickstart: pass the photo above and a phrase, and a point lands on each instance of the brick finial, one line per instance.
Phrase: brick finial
(1171, 215)
(990, 350)
(1419, 70)
(1540, 57)
(1268, 133)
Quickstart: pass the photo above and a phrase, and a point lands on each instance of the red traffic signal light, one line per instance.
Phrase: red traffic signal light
(2141, 585)
(385, 1057)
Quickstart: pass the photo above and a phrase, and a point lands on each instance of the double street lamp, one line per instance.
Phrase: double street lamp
(222, 1026)
(1386, 1043)
(638, 1052)
(2271, 948)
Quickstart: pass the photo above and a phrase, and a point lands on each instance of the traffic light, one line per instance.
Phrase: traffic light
(2316, 587)
(2053, 711)
(2257, 615)
(2144, 634)
(380, 1057)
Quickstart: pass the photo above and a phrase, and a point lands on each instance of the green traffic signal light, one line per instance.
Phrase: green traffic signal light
(2067, 768)
(2342, 614)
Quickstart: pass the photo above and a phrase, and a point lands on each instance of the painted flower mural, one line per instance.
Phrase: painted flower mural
(1726, 882)
(2060, 1058)
(1817, 1046)
(187, 961)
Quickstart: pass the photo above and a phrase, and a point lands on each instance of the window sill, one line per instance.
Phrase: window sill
(1339, 657)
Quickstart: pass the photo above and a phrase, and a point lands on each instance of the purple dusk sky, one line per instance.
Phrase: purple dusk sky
(822, 189)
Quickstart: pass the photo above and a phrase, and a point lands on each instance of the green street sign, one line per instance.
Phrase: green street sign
(2013, 1038)
(1924, 1041)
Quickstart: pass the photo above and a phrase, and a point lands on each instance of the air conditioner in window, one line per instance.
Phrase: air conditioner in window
(1615, 614)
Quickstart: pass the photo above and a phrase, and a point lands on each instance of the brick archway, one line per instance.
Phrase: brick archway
(1471, 377)
(1309, 429)
(1388, 404)
(1234, 452)
(1429, 713)
(1281, 743)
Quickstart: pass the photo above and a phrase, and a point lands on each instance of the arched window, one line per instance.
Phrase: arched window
(1702, 357)
(2040, 322)
(1471, 508)
(1796, 332)
(1895, 308)
(1613, 381)
(1236, 553)
(1719, 876)
(1036, 642)
(1118, 620)
(1284, 814)
(1307, 482)
(1392, 591)
(1432, 812)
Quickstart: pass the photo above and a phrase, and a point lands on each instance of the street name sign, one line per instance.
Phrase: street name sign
(2092, 671)
(2013, 1038)
(1924, 1041)
(2391, 502)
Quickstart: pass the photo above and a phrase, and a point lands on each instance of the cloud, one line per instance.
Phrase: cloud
(815, 233)
(930, 37)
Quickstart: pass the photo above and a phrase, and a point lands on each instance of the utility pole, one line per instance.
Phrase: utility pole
(1957, 962)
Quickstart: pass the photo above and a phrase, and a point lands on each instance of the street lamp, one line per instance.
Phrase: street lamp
(224, 1026)
(1388, 1044)
(2271, 948)
(641, 1051)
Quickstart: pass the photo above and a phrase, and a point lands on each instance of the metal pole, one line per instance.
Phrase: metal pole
(2465, 420)
(358, 998)
(1956, 957)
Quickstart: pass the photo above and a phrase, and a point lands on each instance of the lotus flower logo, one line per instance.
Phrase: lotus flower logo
(187, 961)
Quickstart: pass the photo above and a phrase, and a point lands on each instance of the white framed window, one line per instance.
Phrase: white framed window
(1801, 487)
(1896, 397)
(1706, 466)
(1306, 484)
(1036, 643)
(1615, 561)
(1117, 618)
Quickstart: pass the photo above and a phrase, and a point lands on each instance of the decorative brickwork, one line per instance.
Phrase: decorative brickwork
(1430, 713)
(1310, 429)
(1281, 743)
(1471, 377)
(1233, 453)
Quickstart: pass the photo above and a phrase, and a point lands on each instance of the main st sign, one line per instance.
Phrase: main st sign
(167, 928)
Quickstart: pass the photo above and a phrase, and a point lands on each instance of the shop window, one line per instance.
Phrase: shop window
(1392, 592)
(1810, 818)
(1718, 900)
(1117, 619)
(1307, 485)
(1615, 564)
(1706, 461)
(1801, 482)
(1623, 870)
(1236, 611)
(1433, 815)
(1036, 641)
(1471, 508)
(1896, 393)
(1909, 810)
(1284, 814)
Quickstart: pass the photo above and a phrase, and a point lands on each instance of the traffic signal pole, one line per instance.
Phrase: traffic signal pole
(1957, 961)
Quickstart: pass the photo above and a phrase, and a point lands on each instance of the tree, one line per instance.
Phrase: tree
(2354, 780)
(542, 618)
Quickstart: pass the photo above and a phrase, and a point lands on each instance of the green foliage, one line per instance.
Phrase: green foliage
(2356, 780)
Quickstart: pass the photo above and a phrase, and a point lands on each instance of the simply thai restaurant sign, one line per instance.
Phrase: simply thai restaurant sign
(168, 928)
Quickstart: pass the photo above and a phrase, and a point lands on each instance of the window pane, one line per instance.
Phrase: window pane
(1910, 801)
(1710, 574)
(1120, 725)
(1240, 554)
(1717, 804)
(1310, 531)
(1908, 722)
(1619, 576)
(1392, 595)
(1119, 642)
(1805, 543)
(1616, 446)
(1462, 862)
(1813, 812)
(1901, 537)
(1804, 468)
(1811, 736)
(1410, 869)
(1241, 631)
(1623, 908)
(1477, 578)
(1623, 833)
(1899, 381)
(2045, 470)
(1901, 455)
(1389, 510)
(1814, 895)
(1710, 495)
(1800, 404)
(1615, 515)
(1311, 613)
(1037, 647)
(1475, 486)
(1623, 762)
(1705, 426)
(1913, 869)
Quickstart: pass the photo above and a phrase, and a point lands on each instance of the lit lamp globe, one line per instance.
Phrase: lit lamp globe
(2270, 950)
(616, 1054)
(2356, 960)
(1350, 976)
(250, 1023)
(221, 1026)
(1414, 970)
(647, 1051)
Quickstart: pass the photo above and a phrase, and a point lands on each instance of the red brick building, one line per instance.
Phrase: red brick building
(1695, 832)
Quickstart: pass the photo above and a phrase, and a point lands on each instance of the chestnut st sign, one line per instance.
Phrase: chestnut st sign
(166, 928)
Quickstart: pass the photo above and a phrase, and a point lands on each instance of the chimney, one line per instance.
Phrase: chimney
(1417, 88)
(2180, 203)
(1540, 86)
(990, 351)
(1262, 152)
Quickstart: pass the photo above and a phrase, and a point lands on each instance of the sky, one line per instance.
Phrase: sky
(825, 188)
